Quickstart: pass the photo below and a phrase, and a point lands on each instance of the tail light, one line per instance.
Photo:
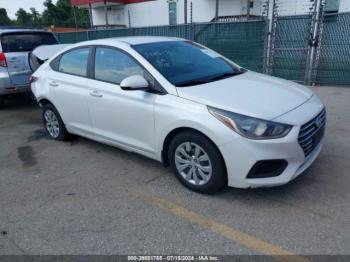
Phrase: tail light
(2, 60)
(32, 79)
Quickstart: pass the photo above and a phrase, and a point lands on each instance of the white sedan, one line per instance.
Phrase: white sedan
(180, 103)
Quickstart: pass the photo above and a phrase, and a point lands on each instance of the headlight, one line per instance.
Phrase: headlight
(250, 127)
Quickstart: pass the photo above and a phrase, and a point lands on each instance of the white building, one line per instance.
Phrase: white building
(300, 7)
(140, 13)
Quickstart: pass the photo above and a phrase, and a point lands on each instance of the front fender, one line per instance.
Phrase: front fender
(172, 113)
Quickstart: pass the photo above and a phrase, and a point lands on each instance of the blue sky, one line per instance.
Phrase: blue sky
(13, 5)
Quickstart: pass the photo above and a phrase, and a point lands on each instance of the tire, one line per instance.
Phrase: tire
(2, 102)
(208, 173)
(53, 123)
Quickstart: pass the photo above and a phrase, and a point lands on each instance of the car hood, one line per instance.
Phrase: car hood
(251, 94)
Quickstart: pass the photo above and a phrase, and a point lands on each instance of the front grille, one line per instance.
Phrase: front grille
(312, 132)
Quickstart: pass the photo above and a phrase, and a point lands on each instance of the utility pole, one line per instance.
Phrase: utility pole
(185, 11)
(248, 9)
(129, 18)
(75, 19)
(313, 41)
(191, 17)
(216, 10)
(106, 13)
(90, 16)
(271, 18)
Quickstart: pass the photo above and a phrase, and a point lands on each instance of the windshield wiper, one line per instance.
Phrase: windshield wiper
(225, 75)
(211, 79)
(193, 82)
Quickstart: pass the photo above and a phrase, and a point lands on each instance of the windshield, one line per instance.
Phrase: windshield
(21, 42)
(184, 63)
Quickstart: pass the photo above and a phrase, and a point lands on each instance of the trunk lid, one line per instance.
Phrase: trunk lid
(43, 53)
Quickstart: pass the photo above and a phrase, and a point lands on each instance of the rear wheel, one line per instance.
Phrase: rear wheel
(197, 163)
(53, 123)
(2, 102)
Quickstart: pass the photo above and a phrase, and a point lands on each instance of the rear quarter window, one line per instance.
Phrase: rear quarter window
(75, 62)
(25, 42)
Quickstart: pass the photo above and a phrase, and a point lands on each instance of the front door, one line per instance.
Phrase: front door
(119, 117)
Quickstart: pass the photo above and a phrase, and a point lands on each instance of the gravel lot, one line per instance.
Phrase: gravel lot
(81, 197)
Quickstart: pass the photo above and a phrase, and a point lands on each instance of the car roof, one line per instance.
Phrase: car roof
(21, 30)
(133, 40)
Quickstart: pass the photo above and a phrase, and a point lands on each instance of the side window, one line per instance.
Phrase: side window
(114, 66)
(75, 62)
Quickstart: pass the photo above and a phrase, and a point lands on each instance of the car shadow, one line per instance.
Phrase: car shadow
(19, 101)
(303, 193)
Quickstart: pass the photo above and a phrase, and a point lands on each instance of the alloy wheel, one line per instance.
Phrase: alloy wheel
(51, 123)
(193, 163)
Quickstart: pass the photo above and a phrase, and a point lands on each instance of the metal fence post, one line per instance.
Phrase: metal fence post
(314, 72)
(192, 32)
(129, 18)
(270, 35)
(313, 41)
(131, 31)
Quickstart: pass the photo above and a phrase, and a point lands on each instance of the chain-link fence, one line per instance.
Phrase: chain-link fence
(334, 61)
(242, 42)
(291, 47)
(245, 43)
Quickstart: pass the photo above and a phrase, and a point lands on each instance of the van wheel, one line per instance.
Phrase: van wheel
(53, 123)
(197, 163)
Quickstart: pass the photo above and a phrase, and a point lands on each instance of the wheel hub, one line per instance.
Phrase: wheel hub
(193, 163)
(51, 123)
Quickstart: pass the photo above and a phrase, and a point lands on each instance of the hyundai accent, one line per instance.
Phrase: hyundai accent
(213, 122)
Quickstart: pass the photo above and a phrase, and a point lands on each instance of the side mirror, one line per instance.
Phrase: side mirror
(135, 82)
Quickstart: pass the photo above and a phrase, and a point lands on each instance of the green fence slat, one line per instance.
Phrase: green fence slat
(291, 44)
(244, 43)
(334, 63)
(241, 42)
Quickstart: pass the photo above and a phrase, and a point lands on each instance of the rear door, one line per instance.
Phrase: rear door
(17, 46)
(69, 91)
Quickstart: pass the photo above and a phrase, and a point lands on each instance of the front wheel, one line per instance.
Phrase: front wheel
(197, 163)
(53, 123)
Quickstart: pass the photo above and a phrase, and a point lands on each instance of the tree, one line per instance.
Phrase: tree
(65, 14)
(83, 20)
(61, 14)
(36, 18)
(4, 19)
(49, 14)
(24, 18)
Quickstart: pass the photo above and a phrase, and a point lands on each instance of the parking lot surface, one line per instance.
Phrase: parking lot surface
(82, 197)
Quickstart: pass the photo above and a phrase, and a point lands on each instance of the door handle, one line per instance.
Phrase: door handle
(53, 83)
(96, 93)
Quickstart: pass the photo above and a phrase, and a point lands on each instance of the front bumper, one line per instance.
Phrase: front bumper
(241, 154)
